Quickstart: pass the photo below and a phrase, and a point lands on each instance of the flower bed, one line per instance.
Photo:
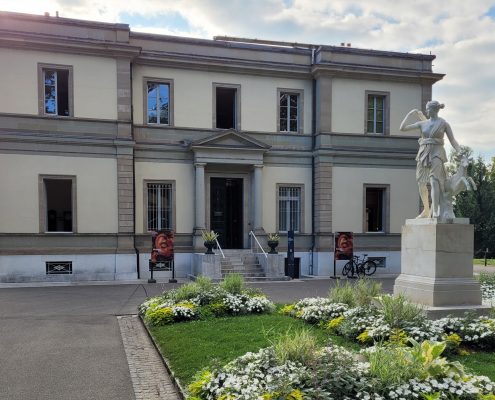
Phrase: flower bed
(335, 373)
(202, 299)
(394, 319)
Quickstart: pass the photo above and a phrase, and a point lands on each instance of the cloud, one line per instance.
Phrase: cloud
(460, 33)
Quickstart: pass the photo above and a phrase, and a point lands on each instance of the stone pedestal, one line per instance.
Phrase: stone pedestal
(437, 266)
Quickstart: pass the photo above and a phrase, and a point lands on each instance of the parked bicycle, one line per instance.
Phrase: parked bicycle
(359, 267)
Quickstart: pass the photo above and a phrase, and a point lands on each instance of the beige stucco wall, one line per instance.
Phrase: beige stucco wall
(349, 102)
(95, 82)
(348, 196)
(96, 183)
(193, 97)
(284, 175)
(183, 175)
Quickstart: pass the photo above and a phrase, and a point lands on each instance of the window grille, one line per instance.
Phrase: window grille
(289, 111)
(159, 206)
(158, 103)
(289, 203)
(381, 262)
(376, 114)
(58, 267)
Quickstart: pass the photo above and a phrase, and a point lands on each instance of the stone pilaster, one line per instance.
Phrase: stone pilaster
(124, 100)
(323, 104)
(258, 199)
(425, 94)
(323, 204)
(125, 175)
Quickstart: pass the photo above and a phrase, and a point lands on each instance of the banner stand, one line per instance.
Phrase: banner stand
(334, 276)
(343, 249)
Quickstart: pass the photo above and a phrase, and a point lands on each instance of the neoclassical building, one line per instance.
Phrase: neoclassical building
(107, 135)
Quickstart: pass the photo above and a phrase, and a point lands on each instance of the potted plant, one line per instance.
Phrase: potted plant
(209, 238)
(273, 239)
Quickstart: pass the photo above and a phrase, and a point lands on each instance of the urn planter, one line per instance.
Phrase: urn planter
(209, 247)
(273, 245)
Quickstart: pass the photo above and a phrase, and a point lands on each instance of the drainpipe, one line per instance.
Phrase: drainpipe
(138, 269)
(313, 147)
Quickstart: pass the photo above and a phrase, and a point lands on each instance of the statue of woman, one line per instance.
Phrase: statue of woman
(431, 156)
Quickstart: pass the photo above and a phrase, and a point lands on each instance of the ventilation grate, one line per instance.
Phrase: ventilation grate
(58, 267)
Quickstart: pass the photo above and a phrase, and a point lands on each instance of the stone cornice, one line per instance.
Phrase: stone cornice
(356, 71)
(41, 42)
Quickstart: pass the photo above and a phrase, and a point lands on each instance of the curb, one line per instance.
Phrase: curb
(174, 380)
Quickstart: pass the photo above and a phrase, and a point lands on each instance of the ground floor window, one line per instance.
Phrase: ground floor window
(159, 206)
(58, 204)
(289, 208)
(375, 209)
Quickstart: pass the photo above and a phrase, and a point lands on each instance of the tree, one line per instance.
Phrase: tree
(479, 205)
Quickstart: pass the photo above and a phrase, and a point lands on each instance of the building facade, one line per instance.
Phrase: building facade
(107, 135)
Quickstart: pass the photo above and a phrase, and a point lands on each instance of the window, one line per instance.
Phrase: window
(289, 208)
(159, 197)
(377, 121)
(289, 112)
(55, 90)
(226, 106)
(375, 209)
(158, 109)
(57, 208)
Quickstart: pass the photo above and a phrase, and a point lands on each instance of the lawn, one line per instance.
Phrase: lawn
(191, 346)
(481, 261)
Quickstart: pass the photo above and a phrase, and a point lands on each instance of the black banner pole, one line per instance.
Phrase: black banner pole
(334, 259)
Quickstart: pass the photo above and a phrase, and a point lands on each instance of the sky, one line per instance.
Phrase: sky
(460, 33)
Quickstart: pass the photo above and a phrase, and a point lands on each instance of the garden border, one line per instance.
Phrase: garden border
(174, 380)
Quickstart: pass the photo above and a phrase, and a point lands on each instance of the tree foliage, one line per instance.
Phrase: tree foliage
(479, 205)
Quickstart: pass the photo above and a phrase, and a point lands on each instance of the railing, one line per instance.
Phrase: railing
(251, 233)
(219, 248)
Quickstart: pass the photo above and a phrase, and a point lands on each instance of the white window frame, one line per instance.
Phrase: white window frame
(158, 81)
(42, 68)
(300, 107)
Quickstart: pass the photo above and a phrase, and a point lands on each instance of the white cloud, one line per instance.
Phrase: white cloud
(455, 31)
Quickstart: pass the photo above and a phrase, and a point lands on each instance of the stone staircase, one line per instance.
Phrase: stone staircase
(243, 262)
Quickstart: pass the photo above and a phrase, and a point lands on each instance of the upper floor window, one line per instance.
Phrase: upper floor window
(377, 113)
(55, 90)
(289, 208)
(226, 106)
(290, 110)
(158, 103)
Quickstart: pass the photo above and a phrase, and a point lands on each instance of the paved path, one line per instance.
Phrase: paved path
(64, 343)
(150, 378)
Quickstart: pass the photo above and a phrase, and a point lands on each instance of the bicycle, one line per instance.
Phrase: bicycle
(358, 267)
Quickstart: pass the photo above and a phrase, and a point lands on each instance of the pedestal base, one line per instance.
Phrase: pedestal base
(437, 267)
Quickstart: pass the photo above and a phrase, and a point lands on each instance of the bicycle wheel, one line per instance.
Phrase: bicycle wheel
(360, 272)
(347, 268)
(369, 267)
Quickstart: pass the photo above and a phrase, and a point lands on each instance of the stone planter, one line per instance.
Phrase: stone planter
(209, 247)
(273, 244)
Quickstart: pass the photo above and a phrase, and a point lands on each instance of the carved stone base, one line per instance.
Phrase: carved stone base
(437, 265)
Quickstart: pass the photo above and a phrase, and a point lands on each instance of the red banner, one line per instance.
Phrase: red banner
(163, 246)
(344, 245)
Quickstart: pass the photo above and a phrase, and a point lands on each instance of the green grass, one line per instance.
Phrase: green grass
(490, 262)
(191, 346)
(479, 363)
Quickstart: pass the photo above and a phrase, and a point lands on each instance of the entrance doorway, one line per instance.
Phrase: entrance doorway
(226, 211)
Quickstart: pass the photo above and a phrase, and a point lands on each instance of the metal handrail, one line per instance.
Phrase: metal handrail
(219, 248)
(251, 233)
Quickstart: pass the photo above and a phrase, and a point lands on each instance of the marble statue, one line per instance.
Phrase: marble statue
(431, 161)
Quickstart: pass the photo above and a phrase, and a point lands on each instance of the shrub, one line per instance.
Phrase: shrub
(205, 283)
(159, 316)
(389, 366)
(296, 346)
(365, 290)
(187, 292)
(397, 311)
(342, 294)
(233, 283)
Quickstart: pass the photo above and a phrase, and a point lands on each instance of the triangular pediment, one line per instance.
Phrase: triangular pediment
(230, 140)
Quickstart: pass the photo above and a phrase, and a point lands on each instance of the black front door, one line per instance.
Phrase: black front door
(226, 211)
